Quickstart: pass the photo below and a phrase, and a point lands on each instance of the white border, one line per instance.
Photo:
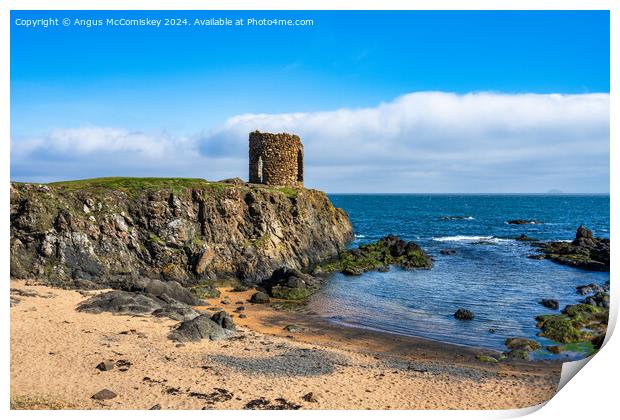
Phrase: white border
(592, 394)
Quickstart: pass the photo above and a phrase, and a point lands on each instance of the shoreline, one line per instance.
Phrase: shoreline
(55, 351)
(268, 320)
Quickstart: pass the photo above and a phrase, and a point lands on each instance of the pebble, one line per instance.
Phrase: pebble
(104, 394)
(105, 366)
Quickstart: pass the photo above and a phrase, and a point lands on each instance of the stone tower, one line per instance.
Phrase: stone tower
(276, 159)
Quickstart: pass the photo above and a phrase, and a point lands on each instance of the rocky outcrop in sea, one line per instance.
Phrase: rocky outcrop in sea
(585, 251)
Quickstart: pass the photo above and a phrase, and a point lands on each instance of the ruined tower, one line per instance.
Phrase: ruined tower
(276, 159)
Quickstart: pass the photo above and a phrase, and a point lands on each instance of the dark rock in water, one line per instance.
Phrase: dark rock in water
(554, 349)
(105, 365)
(223, 320)
(290, 284)
(582, 233)
(260, 297)
(448, 252)
(310, 397)
(597, 341)
(464, 314)
(550, 303)
(537, 257)
(185, 230)
(491, 330)
(264, 404)
(523, 237)
(199, 328)
(599, 299)
(592, 288)
(104, 394)
(390, 250)
(585, 251)
(518, 343)
(132, 303)
(456, 218)
(524, 222)
(156, 407)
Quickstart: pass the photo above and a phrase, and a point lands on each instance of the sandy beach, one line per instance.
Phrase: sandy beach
(55, 351)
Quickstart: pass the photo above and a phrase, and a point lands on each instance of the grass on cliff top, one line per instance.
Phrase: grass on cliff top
(130, 184)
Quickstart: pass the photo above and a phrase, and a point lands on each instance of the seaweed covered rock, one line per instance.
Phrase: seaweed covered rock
(519, 343)
(290, 284)
(390, 250)
(576, 323)
(585, 251)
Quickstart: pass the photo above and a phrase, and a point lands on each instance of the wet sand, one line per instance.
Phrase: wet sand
(55, 351)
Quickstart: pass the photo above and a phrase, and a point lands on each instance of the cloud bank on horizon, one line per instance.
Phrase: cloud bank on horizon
(419, 142)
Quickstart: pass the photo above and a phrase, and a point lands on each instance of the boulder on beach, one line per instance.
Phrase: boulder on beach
(464, 314)
(134, 303)
(104, 394)
(223, 319)
(199, 328)
(291, 284)
(260, 297)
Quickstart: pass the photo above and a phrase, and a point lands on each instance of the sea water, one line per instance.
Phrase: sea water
(490, 273)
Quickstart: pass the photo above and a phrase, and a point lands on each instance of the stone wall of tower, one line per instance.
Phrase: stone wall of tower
(276, 159)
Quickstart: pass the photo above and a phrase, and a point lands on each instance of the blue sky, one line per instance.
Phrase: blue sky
(195, 90)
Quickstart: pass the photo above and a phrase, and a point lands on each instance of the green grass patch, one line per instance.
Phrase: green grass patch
(132, 186)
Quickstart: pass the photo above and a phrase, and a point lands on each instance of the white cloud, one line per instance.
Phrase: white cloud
(425, 141)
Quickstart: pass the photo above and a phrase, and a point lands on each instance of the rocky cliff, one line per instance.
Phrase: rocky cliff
(187, 230)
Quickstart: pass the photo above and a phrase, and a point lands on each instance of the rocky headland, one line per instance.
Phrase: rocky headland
(89, 233)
